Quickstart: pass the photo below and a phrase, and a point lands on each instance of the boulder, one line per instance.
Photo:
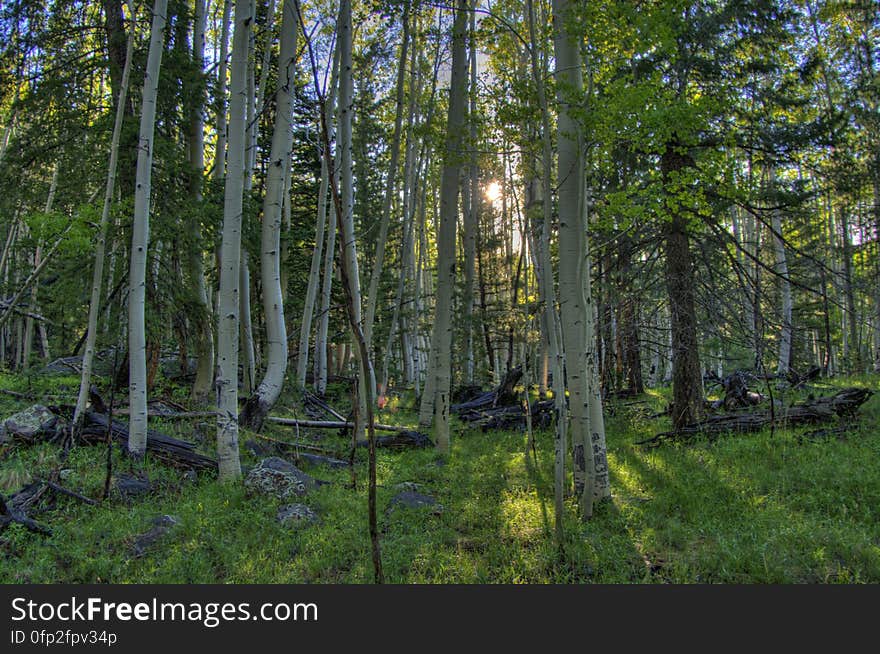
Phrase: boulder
(129, 486)
(162, 525)
(291, 514)
(279, 478)
(32, 423)
(413, 500)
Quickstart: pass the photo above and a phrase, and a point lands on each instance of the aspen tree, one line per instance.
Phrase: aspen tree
(137, 344)
(230, 253)
(436, 397)
(267, 392)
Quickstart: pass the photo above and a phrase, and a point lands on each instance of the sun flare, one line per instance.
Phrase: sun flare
(493, 191)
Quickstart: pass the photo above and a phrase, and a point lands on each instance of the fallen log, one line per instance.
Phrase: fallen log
(331, 424)
(165, 447)
(502, 395)
(508, 417)
(401, 440)
(318, 405)
(844, 403)
(9, 514)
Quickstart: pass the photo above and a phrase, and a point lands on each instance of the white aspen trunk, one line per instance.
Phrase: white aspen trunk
(785, 289)
(390, 187)
(264, 78)
(572, 255)
(877, 273)
(222, 72)
(321, 344)
(440, 361)
(246, 336)
(100, 245)
(315, 268)
(346, 192)
(204, 340)
(269, 389)
(471, 213)
(410, 183)
(230, 254)
(137, 343)
(251, 122)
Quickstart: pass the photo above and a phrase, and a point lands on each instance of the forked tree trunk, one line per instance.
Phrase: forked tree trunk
(137, 345)
(257, 407)
(230, 254)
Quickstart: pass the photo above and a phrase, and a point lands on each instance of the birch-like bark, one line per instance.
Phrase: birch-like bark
(222, 73)
(346, 192)
(137, 344)
(471, 214)
(440, 361)
(550, 318)
(204, 332)
(230, 253)
(267, 392)
(573, 255)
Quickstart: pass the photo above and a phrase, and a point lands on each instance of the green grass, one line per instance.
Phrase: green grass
(748, 508)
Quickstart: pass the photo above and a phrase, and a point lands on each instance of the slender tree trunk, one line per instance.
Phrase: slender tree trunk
(137, 345)
(346, 191)
(267, 393)
(315, 268)
(544, 269)
(29, 321)
(230, 253)
(784, 359)
(204, 337)
(441, 338)
(390, 185)
(222, 72)
(471, 213)
(572, 255)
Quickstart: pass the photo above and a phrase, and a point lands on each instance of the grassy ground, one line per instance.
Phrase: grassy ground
(741, 509)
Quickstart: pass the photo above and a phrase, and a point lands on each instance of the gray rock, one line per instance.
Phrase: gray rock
(129, 486)
(296, 514)
(408, 487)
(162, 525)
(413, 500)
(279, 478)
(31, 423)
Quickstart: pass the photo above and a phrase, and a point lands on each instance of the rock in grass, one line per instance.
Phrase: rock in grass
(412, 500)
(162, 525)
(293, 514)
(36, 421)
(280, 479)
(130, 486)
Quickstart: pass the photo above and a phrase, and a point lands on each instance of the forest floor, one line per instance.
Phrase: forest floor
(741, 508)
